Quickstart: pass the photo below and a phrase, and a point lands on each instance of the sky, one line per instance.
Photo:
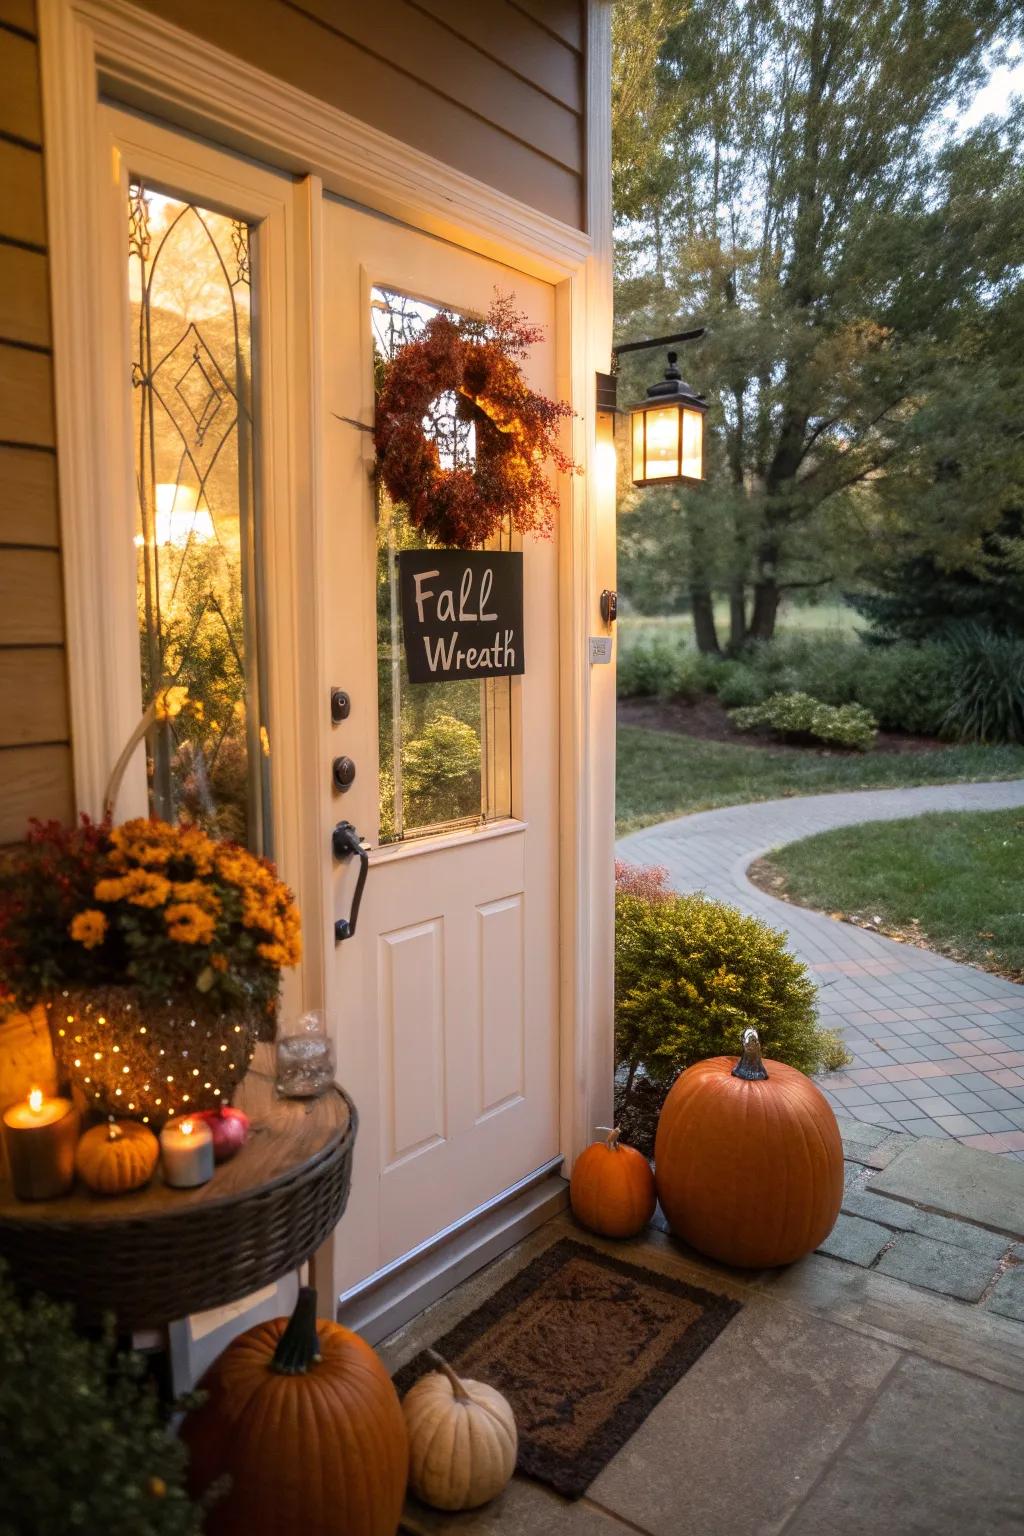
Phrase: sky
(1005, 81)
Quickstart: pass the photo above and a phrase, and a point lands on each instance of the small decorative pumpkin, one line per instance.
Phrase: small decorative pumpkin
(115, 1158)
(612, 1188)
(229, 1129)
(302, 1416)
(462, 1439)
(748, 1160)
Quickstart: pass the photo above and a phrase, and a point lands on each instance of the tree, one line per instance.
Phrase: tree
(792, 179)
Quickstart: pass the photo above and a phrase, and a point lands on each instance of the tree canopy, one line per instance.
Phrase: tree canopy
(793, 175)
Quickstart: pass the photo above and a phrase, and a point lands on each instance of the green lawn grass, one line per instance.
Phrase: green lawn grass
(952, 877)
(662, 774)
(831, 618)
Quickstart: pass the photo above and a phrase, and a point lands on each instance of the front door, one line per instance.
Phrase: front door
(444, 1003)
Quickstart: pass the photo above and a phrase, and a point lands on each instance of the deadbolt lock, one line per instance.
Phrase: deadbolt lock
(343, 772)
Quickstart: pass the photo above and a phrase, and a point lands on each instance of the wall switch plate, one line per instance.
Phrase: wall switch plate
(600, 650)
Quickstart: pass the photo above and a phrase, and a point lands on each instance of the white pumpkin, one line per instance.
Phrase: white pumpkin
(462, 1439)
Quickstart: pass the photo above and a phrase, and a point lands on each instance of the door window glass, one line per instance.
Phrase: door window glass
(445, 748)
(189, 284)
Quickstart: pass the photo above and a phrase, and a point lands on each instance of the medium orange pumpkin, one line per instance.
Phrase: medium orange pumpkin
(612, 1188)
(748, 1160)
(302, 1416)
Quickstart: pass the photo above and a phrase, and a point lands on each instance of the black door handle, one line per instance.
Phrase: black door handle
(345, 841)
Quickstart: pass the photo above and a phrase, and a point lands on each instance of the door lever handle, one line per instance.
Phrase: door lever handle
(345, 841)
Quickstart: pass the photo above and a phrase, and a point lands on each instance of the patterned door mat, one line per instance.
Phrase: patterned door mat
(583, 1345)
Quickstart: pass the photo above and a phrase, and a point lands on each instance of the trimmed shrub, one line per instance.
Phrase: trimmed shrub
(739, 685)
(988, 686)
(906, 687)
(646, 662)
(798, 715)
(691, 974)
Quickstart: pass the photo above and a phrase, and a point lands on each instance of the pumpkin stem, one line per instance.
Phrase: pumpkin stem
(298, 1347)
(612, 1139)
(114, 1131)
(750, 1066)
(441, 1364)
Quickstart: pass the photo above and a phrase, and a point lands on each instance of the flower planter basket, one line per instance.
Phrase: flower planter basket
(130, 1057)
(159, 1254)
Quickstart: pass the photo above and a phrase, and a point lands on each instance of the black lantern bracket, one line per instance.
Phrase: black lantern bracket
(608, 383)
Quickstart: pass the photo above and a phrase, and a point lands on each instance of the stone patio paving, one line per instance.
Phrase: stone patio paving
(875, 1387)
(938, 1047)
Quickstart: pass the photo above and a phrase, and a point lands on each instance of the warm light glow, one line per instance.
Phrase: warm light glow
(179, 517)
(605, 466)
(35, 1100)
(656, 444)
(693, 444)
(186, 1127)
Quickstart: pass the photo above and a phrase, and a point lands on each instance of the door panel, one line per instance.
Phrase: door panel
(444, 1004)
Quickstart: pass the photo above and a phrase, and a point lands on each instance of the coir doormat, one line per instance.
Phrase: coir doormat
(583, 1345)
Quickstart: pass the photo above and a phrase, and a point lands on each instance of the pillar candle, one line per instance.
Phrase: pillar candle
(40, 1136)
(186, 1153)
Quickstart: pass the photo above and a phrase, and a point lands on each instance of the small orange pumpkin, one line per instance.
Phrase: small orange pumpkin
(612, 1188)
(115, 1158)
(302, 1416)
(748, 1160)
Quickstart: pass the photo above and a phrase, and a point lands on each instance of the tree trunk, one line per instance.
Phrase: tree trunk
(737, 618)
(704, 631)
(766, 609)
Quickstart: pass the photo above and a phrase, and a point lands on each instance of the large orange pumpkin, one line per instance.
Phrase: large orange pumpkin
(748, 1160)
(302, 1416)
(612, 1188)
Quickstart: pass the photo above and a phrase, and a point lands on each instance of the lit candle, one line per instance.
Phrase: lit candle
(39, 1139)
(186, 1153)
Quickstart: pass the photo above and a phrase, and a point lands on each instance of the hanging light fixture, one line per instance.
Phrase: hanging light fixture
(667, 430)
(667, 427)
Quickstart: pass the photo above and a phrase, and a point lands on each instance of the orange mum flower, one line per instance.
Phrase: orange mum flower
(89, 928)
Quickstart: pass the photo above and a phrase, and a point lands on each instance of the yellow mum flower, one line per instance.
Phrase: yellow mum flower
(189, 924)
(89, 928)
(139, 886)
(197, 891)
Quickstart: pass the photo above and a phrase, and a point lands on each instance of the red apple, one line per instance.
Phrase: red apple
(229, 1129)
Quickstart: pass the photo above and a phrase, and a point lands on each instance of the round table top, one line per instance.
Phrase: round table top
(285, 1135)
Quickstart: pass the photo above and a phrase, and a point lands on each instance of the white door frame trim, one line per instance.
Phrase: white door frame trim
(141, 61)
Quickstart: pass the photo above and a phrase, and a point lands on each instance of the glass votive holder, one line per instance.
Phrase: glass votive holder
(305, 1061)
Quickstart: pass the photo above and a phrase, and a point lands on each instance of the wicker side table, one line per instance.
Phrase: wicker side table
(159, 1254)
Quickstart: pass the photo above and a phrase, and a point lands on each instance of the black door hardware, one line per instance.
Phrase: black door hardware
(341, 705)
(609, 606)
(345, 841)
(343, 772)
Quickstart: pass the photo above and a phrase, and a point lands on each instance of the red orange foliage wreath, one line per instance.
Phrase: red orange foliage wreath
(516, 430)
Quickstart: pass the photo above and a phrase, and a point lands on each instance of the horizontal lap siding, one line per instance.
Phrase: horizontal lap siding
(35, 754)
(489, 89)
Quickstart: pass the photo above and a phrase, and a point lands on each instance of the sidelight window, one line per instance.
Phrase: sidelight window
(197, 534)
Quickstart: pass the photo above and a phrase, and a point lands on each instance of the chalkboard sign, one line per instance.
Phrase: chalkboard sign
(462, 613)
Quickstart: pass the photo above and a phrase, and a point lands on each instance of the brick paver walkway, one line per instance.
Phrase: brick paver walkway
(938, 1047)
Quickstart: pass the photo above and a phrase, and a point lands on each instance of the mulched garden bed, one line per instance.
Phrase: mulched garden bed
(708, 720)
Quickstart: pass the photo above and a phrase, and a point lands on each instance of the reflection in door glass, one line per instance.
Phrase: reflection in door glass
(445, 748)
(191, 314)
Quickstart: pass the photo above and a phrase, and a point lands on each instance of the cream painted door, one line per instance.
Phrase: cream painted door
(444, 1004)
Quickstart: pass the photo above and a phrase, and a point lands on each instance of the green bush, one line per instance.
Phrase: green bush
(691, 974)
(906, 687)
(739, 685)
(646, 663)
(798, 715)
(988, 686)
(86, 1445)
(441, 771)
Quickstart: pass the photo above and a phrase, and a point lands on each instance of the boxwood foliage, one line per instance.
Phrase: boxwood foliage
(691, 974)
(86, 1442)
(796, 716)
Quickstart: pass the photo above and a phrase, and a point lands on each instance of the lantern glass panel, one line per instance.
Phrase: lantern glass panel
(693, 442)
(662, 448)
(638, 445)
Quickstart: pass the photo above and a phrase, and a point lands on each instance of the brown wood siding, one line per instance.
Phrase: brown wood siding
(35, 752)
(493, 90)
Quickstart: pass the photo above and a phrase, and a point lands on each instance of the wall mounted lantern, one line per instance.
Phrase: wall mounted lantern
(667, 427)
